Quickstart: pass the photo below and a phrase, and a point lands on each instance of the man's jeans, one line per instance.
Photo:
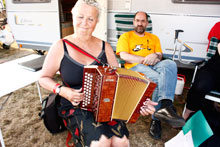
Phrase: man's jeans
(164, 74)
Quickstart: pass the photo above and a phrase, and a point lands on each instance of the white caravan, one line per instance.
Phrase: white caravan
(36, 24)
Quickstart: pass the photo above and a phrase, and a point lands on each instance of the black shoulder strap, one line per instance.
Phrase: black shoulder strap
(65, 48)
(82, 51)
(103, 45)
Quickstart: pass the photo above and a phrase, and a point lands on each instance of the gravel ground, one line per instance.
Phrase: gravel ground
(21, 126)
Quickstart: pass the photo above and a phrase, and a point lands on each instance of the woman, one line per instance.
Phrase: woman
(62, 57)
(207, 79)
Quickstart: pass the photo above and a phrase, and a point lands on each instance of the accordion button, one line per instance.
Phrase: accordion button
(106, 100)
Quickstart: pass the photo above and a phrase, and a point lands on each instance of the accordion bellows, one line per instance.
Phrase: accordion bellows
(115, 93)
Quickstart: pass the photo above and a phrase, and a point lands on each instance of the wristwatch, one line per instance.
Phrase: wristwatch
(58, 89)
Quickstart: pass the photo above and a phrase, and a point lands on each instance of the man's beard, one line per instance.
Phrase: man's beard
(139, 29)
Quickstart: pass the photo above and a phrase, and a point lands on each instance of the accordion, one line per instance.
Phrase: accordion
(115, 93)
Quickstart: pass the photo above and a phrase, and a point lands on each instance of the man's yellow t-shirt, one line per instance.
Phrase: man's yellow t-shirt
(142, 46)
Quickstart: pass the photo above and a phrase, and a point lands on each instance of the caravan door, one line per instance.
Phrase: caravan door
(101, 27)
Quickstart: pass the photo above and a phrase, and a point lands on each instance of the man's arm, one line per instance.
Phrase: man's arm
(129, 58)
(151, 59)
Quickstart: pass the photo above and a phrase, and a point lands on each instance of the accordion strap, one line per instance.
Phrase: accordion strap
(82, 51)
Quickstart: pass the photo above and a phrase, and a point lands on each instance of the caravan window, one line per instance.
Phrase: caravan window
(31, 1)
(197, 1)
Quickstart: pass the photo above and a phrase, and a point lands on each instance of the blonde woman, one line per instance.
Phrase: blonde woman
(62, 57)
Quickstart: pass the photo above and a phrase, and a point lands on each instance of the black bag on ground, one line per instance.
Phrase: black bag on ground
(49, 113)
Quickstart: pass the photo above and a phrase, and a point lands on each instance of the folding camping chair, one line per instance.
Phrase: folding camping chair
(213, 95)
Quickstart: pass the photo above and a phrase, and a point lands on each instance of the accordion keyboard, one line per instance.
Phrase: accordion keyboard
(88, 81)
(91, 88)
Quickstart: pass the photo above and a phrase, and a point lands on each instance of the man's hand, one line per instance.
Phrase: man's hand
(151, 59)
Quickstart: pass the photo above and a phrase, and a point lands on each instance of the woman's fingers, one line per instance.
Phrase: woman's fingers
(76, 99)
(78, 90)
(152, 103)
(76, 96)
(144, 112)
(148, 107)
(75, 103)
(149, 102)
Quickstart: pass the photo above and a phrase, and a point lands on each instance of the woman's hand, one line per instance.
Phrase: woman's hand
(73, 95)
(148, 107)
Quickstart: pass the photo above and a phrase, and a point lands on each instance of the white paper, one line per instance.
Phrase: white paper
(1, 139)
(189, 139)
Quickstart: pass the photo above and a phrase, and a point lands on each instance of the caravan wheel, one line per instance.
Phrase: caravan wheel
(6, 46)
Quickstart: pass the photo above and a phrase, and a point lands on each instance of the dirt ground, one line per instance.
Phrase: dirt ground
(22, 127)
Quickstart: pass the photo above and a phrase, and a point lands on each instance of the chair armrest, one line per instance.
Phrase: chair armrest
(213, 96)
(198, 63)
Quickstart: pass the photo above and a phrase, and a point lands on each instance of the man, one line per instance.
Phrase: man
(142, 52)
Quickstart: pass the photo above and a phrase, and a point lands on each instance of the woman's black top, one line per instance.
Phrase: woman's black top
(72, 71)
